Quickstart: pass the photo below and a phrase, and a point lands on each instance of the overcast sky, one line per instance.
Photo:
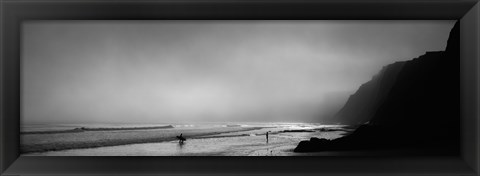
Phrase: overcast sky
(207, 71)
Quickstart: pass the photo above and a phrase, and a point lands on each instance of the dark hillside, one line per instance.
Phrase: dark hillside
(411, 104)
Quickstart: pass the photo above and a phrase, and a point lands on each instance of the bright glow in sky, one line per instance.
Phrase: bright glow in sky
(215, 71)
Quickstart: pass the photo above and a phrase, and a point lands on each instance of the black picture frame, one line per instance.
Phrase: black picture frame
(13, 12)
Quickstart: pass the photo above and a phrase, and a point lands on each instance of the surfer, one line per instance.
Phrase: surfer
(181, 138)
(266, 134)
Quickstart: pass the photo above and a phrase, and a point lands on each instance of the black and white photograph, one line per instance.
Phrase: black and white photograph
(239, 87)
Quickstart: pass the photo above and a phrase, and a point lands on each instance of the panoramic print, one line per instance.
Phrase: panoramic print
(239, 88)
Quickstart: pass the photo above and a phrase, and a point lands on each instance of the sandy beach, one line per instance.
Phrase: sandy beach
(246, 140)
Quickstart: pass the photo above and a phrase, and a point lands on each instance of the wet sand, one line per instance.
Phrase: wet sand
(90, 139)
(280, 144)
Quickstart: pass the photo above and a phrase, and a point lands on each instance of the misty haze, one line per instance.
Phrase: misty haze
(244, 88)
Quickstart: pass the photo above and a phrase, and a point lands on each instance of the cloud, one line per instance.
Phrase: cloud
(179, 71)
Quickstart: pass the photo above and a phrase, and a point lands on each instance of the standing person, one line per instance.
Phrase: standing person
(267, 136)
(181, 138)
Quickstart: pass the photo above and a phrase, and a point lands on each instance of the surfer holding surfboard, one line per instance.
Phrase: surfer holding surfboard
(181, 138)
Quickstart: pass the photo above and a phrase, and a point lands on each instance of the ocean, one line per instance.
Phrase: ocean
(203, 139)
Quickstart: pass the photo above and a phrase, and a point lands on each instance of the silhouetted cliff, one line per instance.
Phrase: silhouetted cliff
(412, 104)
(361, 106)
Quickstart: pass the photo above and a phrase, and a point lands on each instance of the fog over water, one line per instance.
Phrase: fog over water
(207, 71)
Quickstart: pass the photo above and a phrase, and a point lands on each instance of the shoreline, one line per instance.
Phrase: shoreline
(280, 144)
(59, 145)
